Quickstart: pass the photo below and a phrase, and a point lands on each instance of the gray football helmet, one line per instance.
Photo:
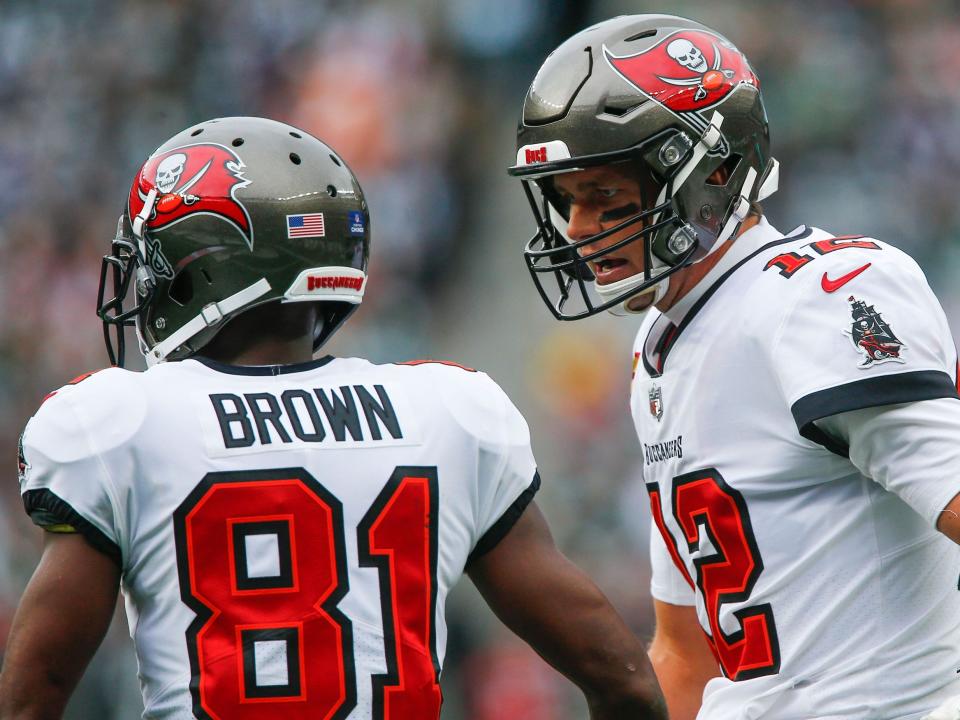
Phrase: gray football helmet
(671, 100)
(227, 215)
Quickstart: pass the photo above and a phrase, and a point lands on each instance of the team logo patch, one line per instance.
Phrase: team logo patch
(687, 71)
(200, 179)
(872, 336)
(22, 464)
(356, 222)
(655, 397)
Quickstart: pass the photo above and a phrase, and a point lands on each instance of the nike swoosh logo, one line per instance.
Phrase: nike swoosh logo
(830, 286)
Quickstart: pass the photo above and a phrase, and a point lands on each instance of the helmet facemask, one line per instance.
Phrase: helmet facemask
(632, 87)
(662, 164)
(125, 266)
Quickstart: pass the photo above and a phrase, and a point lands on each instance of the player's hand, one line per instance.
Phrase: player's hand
(950, 710)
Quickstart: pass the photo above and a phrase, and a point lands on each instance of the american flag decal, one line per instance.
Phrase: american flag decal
(309, 225)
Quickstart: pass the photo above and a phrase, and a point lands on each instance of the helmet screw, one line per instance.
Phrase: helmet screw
(670, 155)
(160, 323)
(682, 240)
(706, 212)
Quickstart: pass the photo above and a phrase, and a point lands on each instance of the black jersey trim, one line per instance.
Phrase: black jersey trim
(501, 527)
(263, 369)
(702, 300)
(44, 500)
(869, 392)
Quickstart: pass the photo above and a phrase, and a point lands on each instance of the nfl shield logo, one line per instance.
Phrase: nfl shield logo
(656, 402)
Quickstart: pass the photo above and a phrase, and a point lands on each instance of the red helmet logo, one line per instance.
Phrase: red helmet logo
(196, 179)
(687, 71)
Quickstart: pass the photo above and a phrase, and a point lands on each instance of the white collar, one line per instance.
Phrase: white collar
(754, 238)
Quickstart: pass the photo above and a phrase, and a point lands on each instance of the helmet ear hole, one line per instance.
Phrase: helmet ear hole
(721, 176)
(181, 289)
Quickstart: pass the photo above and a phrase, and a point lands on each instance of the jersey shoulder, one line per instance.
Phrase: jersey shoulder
(815, 285)
(826, 263)
(814, 270)
(96, 411)
(469, 397)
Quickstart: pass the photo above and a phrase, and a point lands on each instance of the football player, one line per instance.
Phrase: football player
(794, 394)
(285, 529)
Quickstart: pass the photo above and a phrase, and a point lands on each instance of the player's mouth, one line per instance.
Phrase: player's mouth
(611, 269)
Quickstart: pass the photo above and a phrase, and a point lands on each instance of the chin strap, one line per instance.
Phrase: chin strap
(741, 203)
(210, 315)
(141, 219)
(709, 140)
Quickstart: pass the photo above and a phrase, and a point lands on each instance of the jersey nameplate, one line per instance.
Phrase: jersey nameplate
(334, 417)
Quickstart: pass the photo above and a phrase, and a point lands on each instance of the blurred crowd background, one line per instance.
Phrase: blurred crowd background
(422, 97)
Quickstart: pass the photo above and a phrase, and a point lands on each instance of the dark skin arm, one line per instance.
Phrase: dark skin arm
(949, 520)
(63, 616)
(550, 603)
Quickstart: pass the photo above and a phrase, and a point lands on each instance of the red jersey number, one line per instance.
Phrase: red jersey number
(262, 563)
(716, 525)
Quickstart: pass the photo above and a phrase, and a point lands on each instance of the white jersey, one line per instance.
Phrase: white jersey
(824, 593)
(288, 535)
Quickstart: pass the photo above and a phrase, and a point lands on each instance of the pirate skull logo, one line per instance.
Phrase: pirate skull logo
(169, 172)
(688, 55)
(687, 71)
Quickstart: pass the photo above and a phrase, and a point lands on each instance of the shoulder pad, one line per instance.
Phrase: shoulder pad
(109, 405)
(449, 363)
(475, 402)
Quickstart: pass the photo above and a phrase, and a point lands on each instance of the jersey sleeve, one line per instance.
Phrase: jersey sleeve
(64, 481)
(507, 471)
(879, 339)
(667, 584)
(910, 450)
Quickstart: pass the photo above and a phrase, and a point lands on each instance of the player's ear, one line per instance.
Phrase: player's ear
(719, 176)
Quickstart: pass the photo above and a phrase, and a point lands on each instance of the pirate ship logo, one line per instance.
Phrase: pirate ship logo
(872, 336)
(656, 402)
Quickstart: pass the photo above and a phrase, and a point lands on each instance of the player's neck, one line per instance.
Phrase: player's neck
(685, 280)
(268, 335)
(266, 352)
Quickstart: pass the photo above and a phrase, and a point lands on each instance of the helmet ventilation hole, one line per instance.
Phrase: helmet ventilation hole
(331, 191)
(641, 35)
(294, 158)
(296, 135)
(335, 161)
(181, 289)
(196, 132)
(237, 142)
(623, 110)
(721, 176)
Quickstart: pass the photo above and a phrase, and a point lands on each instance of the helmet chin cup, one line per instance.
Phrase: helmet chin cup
(652, 296)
